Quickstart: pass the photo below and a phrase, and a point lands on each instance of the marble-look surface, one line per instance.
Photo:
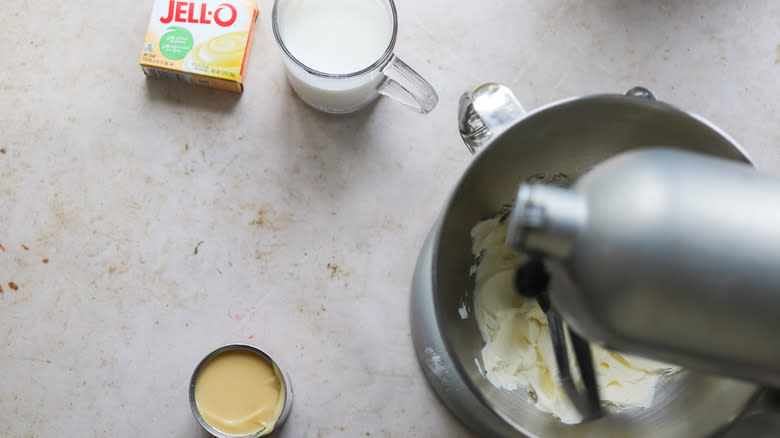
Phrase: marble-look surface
(310, 223)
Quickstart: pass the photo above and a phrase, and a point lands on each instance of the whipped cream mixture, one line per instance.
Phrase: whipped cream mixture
(518, 352)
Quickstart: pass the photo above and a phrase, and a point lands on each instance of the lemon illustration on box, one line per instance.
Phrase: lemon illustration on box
(203, 43)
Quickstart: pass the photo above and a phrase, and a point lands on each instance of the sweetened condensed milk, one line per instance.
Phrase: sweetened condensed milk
(240, 393)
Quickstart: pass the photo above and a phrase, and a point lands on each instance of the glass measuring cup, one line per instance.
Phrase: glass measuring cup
(339, 55)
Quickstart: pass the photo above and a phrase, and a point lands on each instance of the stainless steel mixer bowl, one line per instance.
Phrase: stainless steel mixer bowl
(557, 143)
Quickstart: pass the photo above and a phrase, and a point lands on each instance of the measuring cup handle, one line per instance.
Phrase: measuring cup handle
(486, 112)
(407, 87)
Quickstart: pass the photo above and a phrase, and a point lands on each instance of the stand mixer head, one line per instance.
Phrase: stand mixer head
(663, 253)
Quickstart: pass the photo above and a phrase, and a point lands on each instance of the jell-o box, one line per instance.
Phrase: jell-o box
(204, 42)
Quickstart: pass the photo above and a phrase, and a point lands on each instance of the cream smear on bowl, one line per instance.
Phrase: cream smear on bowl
(518, 351)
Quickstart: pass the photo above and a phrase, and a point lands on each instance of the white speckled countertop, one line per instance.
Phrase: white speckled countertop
(310, 223)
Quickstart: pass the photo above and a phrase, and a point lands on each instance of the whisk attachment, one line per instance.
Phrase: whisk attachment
(532, 281)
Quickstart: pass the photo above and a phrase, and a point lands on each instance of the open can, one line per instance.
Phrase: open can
(285, 393)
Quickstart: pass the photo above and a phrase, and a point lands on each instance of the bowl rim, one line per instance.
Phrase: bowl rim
(439, 311)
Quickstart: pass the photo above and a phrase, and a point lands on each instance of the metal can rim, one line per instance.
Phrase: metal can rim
(288, 391)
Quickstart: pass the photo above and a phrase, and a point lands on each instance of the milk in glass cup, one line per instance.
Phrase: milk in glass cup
(339, 54)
